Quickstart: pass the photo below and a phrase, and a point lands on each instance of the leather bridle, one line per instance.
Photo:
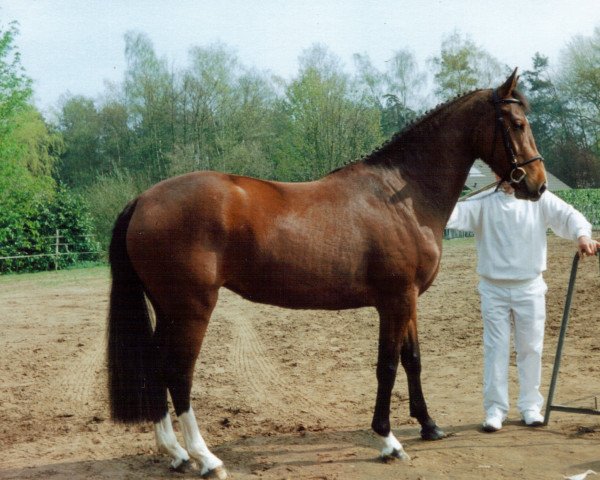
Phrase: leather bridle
(517, 172)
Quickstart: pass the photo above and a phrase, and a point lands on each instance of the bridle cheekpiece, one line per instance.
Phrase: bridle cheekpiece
(517, 172)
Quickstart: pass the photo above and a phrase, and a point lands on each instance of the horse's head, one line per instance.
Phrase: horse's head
(508, 144)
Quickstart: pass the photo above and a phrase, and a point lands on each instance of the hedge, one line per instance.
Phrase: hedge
(586, 200)
(32, 231)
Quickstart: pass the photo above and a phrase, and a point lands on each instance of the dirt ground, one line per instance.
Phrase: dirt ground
(289, 394)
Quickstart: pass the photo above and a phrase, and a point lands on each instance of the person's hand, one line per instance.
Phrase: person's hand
(587, 245)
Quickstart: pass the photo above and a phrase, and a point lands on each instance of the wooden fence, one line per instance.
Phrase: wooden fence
(59, 248)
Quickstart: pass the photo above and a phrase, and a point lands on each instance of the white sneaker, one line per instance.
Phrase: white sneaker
(532, 418)
(492, 423)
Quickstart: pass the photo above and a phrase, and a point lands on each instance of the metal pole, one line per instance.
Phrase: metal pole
(561, 338)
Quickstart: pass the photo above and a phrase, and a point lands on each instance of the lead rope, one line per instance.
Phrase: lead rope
(482, 189)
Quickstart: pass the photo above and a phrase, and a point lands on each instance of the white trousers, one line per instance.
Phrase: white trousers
(525, 307)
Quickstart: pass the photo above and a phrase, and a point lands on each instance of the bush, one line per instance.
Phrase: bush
(586, 200)
(107, 198)
(31, 234)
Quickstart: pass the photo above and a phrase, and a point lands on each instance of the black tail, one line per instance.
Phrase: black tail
(136, 390)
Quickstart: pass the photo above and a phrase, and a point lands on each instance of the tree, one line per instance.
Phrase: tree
(325, 123)
(26, 146)
(226, 115)
(463, 66)
(396, 92)
(579, 84)
(40, 143)
(549, 117)
(208, 93)
(150, 94)
(579, 78)
(15, 86)
(116, 136)
(79, 124)
(564, 116)
(31, 205)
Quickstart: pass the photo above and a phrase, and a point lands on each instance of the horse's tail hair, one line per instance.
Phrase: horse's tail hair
(135, 388)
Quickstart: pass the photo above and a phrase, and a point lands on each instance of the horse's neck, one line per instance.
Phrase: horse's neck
(434, 169)
(439, 179)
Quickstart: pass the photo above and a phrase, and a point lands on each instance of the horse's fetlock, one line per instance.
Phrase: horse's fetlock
(381, 427)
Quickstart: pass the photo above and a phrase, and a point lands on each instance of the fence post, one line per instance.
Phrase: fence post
(56, 249)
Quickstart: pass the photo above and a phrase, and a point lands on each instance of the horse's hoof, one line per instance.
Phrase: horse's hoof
(395, 455)
(219, 472)
(432, 433)
(183, 467)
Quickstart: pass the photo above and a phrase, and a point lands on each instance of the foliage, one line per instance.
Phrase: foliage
(31, 206)
(566, 124)
(586, 200)
(322, 125)
(108, 196)
(396, 92)
(463, 66)
(26, 147)
(15, 86)
(579, 81)
(32, 232)
(79, 125)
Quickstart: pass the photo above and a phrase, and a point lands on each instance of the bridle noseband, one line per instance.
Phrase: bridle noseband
(517, 172)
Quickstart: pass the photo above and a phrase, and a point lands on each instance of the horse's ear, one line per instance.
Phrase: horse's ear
(506, 89)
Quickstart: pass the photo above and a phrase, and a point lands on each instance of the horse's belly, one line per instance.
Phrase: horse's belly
(291, 289)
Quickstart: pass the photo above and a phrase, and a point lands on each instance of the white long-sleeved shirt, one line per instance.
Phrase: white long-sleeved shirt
(510, 233)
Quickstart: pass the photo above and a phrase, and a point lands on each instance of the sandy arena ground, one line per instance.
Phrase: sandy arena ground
(289, 394)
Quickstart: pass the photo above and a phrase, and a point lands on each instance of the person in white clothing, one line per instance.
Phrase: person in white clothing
(511, 245)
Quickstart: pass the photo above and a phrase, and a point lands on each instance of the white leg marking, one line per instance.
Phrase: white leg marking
(392, 448)
(197, 447)
(166, 442)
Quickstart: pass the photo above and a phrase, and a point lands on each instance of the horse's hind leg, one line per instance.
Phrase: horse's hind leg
(180, 331)
(166, 442)
(411, 361)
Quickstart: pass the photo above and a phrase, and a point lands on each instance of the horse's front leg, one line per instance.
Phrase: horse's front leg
(392, 321)
(398, 338)
(411, 361)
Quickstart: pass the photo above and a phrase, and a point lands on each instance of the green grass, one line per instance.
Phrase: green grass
(59, 277)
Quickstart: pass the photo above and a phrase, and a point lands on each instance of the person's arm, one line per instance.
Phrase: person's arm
(567, 222)
(587, 245)
(465, 215)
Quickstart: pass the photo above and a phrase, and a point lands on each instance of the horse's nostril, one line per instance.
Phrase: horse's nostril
(543, 188)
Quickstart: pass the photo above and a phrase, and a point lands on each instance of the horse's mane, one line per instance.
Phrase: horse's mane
(375, 156)
(378, 154)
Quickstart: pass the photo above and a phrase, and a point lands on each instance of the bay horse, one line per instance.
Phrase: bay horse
(367, 234)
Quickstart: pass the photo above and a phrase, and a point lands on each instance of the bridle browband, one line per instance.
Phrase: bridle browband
(517, 172)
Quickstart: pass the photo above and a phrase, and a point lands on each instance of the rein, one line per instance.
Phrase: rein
(517, 172)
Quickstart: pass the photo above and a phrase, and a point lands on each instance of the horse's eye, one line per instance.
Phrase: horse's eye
(520, 126)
